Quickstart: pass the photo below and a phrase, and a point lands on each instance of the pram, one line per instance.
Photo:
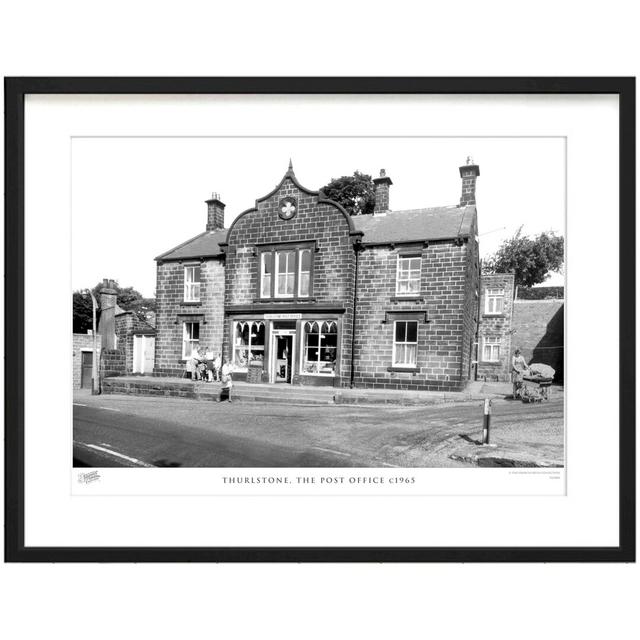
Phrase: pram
(536, 383)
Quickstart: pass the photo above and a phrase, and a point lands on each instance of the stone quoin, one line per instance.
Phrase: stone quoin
(297, 291)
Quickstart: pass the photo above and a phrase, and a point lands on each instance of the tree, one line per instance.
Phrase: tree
(530, 259)
(82, 312)
(355, 193)
(128, 299)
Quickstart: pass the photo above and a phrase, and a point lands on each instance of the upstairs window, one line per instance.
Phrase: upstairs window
(192, 283)
(408, 275)
(286, 273)
(405, 343)
(304, 277)
(494, 302)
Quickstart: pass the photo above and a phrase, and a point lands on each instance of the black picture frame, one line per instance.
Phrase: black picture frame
(15, 91)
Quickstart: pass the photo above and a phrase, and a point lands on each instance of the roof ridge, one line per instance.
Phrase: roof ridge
(438, 208)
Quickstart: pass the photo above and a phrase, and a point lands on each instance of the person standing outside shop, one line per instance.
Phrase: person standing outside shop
(518, 368)
(217, 363)
(208, 358)
(226, 380)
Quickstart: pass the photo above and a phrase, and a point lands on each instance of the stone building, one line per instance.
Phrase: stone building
(495, 327)
(82, 359)
(124, 344)
(297, 291)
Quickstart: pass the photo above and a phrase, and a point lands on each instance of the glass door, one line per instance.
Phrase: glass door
(282, 358)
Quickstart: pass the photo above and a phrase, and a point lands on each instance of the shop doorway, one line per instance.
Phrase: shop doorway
(282, 356)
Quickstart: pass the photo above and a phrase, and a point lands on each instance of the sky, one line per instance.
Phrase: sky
(135, 198)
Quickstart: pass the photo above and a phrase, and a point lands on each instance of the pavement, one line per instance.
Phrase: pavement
(125, 430)
(301, 394)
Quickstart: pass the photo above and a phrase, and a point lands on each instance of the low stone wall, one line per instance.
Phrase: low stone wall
(287, 394)
(112, 363)
(151, 386)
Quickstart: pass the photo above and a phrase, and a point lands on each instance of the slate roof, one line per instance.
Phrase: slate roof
(436, 223)
(206, 244)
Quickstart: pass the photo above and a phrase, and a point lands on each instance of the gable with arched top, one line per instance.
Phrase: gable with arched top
(290, 177)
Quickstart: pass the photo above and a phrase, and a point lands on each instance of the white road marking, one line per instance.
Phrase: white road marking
(79, 404)
(108, 408)
(386, 464)
(339, 453)
(118, 455)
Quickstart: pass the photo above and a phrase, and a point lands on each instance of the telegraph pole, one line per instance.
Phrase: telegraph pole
(95, 382)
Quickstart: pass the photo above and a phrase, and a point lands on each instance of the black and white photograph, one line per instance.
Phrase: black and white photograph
(320, 320)
(307, 302)
(297, 325)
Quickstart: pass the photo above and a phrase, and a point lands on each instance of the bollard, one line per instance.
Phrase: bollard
(486, 421)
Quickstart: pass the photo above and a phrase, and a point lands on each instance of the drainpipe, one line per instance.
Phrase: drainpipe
(357, 247)
(477, 338)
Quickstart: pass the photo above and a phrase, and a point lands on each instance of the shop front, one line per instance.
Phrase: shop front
(291, 348)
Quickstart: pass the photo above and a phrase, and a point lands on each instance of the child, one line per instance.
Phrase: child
(226, 380)
(208, 359)
(217, 363)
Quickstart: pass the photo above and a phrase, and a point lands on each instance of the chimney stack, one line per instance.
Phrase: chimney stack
(215, 213)
(382, 185)
(469, 172)
(107, 325)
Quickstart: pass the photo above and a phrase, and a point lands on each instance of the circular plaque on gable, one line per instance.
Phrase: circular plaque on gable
(288, 208)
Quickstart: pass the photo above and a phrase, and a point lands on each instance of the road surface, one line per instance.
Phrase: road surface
(116, 430)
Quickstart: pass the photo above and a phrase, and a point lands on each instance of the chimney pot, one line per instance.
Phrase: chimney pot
(468, 172)
(215, 212)
(381, 186)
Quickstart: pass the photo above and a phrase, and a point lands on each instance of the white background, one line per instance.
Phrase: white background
(154, 188)
(586, 516)
(369, 38)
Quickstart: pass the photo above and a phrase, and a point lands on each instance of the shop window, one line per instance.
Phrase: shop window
(405, 343)
(190, 339)
(408, 275)
(248, 344)
(286, 273)
(491, 350)
(494, 302)
(192, 283)
(320, 347)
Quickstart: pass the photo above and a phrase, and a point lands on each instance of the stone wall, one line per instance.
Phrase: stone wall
(112, 363)
(471, 302)
(81, 342)
(538, 329)
(496, 326)
(322, 224)
(446, 300)
(172, 312)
